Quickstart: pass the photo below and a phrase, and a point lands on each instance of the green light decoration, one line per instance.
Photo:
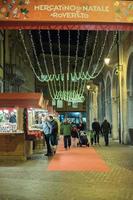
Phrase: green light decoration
(72, 92)
(61, 77)
(69, 96)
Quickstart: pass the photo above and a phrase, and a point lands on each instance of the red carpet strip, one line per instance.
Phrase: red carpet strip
(77, 159)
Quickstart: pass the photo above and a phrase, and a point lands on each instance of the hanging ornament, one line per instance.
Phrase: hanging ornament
(7, 14)
(10, 6)
(16, 13)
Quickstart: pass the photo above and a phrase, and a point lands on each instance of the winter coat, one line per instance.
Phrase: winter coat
(66, 129)
(96, 127)
(105, 127)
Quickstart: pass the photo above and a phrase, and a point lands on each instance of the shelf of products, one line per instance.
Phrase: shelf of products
(8, 120)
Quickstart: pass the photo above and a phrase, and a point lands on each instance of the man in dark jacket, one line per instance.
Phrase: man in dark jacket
(54, 133)
(106, 129)
(96, 129)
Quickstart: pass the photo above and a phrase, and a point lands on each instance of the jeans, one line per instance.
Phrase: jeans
(67, 141)
(96, 137)
(54, 140)
(47, 139)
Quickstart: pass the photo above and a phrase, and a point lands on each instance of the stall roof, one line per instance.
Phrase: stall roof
(24, 100)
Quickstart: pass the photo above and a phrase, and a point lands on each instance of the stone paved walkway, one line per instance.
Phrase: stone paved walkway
(31, 180)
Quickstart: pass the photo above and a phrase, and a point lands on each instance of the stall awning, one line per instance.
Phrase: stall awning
(24, 100)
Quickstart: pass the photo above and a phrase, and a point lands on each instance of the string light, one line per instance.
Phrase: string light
(45, 64)
(68, 60)
(112, 44)
(34, 50)
(76, 57)
(114, 38)
(69, 93)
(28, 56)
(83, 62)
(69, 96)
(59, 46)
(97, 65)
(52, 59)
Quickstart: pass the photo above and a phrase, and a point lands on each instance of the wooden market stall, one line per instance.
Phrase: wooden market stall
(15, 134)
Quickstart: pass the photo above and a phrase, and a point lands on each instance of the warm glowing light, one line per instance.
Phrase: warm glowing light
(88, 87)
(107, 61)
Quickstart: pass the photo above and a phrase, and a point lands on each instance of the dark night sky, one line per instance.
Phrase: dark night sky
(63, 41)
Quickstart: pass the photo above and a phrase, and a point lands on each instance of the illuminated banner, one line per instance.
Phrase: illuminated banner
(111, 11)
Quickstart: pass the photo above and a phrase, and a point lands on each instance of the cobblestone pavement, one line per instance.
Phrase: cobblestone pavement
(31, 180)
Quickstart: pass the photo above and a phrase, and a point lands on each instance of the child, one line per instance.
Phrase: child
(91, 133)
(74, 135)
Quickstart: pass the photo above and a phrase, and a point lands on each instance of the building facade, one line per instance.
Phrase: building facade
(114, 97)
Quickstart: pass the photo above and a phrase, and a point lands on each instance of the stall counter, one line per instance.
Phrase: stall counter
(13, 146)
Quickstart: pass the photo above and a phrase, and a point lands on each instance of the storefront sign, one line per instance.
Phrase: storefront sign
(111, 11)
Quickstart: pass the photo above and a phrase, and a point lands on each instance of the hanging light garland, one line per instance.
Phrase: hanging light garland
(52, 59)
(28, 56)
(111, 46)
(45, 64)
(34, 50)
(97, 64)
(76, 57)
(59, 46)
(69, 93)
(68, 96)
(83, 61)
(68, 60)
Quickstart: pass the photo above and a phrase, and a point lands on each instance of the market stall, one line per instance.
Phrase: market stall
(34, 116)
(18, 111)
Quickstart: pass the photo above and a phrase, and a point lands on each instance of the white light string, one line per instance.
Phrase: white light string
(28, 56)
(111, 46)
(34, 50)
(76, 57)
(45, 64)
(113, 41)
(94, 47)
(68, 60)
(81, 75)
(52, 59)
(87, 73)
(66, 96)
(59, 46)
(71, 96)
(38, 63)
(31, 65)
(102, 49)
(97, 65)
(83, 62)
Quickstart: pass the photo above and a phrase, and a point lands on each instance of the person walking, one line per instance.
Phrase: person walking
(106, 130)
(96, 129)
(66, 129)
(74, 134)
